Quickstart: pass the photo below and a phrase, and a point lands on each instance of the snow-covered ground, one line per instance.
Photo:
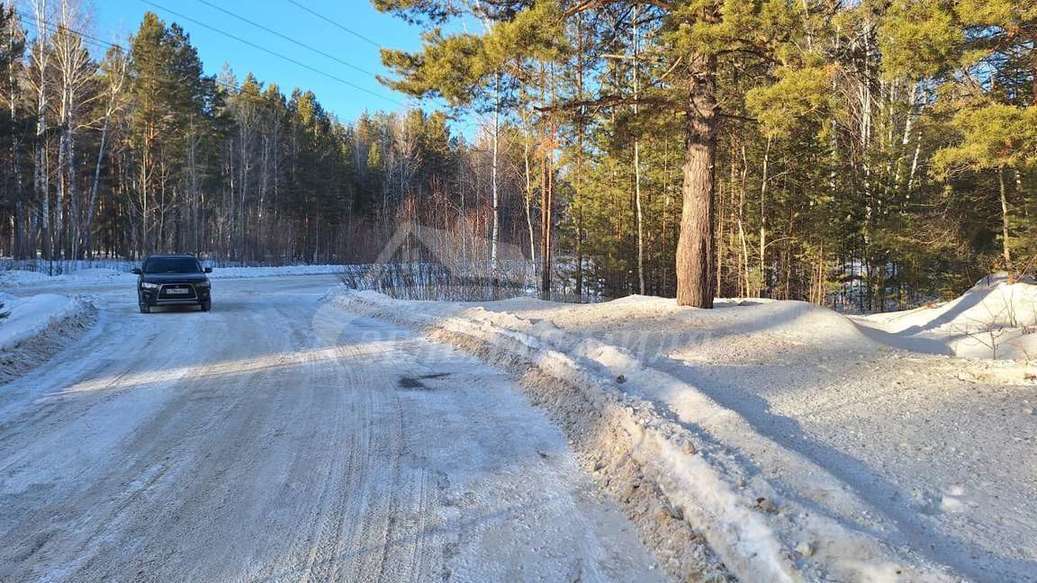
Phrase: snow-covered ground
(36, 327)
(29, 316)
(772, 441)
(997, 318)
(48, 312)
(268, 441)
(92, 276)
(798, 443)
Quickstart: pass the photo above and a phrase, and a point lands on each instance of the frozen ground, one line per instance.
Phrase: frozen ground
(278, 438)
(829, 450)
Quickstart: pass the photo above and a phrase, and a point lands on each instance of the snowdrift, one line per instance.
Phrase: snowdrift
(32, 315)
(697, 465)
(996, 318)
(744, 330)
(37, 327)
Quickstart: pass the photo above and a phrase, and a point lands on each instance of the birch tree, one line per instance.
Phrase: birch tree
(75, 71)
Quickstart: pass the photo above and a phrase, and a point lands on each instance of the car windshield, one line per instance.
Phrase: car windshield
(172, 265)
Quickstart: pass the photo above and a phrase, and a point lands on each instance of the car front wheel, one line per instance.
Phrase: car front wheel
(206, 305)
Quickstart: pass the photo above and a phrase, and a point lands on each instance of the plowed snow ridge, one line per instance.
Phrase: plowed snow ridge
(735, 487)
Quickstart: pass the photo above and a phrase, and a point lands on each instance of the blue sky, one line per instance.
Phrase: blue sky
(116, 20)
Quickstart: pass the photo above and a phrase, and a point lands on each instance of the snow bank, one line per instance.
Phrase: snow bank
(996, 318)
(699, 467)
(244, 272)
(30, 316)
(37, 327)
(744, 330)
(95, 276)
(16, 277)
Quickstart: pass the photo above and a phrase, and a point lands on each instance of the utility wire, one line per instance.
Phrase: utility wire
(274, 53)
(30, 20)
(286, 37)
(333, 23)
(51, 27)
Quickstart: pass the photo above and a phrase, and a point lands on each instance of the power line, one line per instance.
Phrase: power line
(286, 37)
(30, 20)
(53, 28)
(333, 23)
(274, 53)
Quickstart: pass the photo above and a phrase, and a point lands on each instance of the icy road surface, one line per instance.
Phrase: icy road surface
(273, 440)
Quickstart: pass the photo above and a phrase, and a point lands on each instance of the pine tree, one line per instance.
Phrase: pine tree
(869, 153)
(13, 126)
(701, 39)
(985, 55)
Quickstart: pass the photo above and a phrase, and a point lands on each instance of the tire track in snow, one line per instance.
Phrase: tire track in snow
(262, 452)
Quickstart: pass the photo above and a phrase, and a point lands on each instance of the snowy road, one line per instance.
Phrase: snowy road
(273, 440)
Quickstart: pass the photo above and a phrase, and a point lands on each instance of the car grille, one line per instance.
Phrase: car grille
(166, 292)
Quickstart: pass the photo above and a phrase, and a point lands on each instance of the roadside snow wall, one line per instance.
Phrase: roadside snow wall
(698, 507)
(37, 327)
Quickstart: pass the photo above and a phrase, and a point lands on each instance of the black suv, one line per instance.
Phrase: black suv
(172, 280)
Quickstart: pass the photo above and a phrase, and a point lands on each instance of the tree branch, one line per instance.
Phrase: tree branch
(608, 101)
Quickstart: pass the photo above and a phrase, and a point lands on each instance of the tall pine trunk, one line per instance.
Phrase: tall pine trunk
(639, 207)
(1005, 248)
(764, 284)
(546, 219)
(695, 252)
(1033, 69)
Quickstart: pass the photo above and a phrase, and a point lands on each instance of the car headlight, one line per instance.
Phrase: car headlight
(202, 284)
(149, 285)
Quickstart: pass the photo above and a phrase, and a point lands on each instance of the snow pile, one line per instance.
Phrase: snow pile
(748, 331)
(37, 327)
(677, 455)
(30, 316)
(996, 318)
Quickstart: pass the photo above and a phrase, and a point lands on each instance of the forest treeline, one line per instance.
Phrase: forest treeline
(776, 148)
(139, 151)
